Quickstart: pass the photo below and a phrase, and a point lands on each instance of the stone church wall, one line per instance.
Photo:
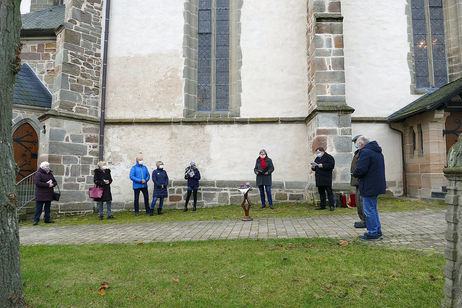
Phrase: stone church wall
(40, 55)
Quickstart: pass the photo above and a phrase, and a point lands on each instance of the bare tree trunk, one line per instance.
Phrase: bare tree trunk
(11, 294)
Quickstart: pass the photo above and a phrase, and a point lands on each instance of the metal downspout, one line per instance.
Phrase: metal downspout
(103, 83)
(403, 160)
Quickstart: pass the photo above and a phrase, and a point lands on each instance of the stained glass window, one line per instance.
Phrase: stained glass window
(429, 45)
(213, 55)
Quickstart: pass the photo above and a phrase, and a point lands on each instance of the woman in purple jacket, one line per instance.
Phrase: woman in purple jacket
(44, 182)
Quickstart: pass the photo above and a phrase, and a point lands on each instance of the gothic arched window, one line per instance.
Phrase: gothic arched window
(429, 44)
(213, 56)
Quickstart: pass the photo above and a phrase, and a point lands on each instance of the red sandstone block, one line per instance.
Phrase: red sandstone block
(30, 56)
(174, 198)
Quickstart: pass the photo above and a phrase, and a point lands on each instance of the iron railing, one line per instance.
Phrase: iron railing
(25, 191)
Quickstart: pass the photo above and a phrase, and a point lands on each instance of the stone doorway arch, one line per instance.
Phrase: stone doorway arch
(25, 148)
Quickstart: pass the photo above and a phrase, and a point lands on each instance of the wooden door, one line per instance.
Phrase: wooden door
(25, 147)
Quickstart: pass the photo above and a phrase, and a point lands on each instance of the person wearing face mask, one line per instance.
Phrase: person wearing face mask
(193, 176)
(355, 182)
(139, 175)
(323, 166)
(103, 179)
(263, 169)
(44, 182)
(160, 179)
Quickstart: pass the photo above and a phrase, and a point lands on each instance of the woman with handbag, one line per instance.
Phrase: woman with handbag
(103, 182)
(44, 182)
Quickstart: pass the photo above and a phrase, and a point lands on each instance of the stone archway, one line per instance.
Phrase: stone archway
(25, 147)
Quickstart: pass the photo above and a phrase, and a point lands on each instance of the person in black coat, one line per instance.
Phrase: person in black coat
(160, 179)
(371, 173)
(193, 176)
(44, 182)
(103, 179)
(263, 169)
(323, 166)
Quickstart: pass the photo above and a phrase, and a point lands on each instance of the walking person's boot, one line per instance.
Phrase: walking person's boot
(185, 208)
(159, 211)
(194, 208)
(151, 212)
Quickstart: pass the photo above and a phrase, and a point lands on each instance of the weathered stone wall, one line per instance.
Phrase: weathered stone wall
(453, 252)
(78, 59)
(70, 143)
(40, 55)
(453, 15)
(36, 5)
(425, 161)
(329, 119)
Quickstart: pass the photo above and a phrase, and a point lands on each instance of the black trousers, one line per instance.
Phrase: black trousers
(144, 190)
(330, 195)
(38, 210)
(188, 195)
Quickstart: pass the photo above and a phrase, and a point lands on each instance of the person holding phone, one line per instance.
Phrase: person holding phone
(44, 182)
(323, 166)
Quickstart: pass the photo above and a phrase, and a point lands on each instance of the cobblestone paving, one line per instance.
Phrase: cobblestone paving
(421, 230)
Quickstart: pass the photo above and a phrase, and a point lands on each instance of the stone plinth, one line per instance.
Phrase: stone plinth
(453, 253)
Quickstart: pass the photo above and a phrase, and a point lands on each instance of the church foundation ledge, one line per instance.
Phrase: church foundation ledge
(202, 121)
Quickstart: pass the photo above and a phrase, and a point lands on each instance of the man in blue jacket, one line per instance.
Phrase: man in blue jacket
(139, 174)
(370, 171)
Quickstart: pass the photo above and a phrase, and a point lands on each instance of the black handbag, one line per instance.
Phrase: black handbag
(57, 195)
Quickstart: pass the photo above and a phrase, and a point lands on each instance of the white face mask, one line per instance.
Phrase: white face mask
(140, 162)
(104, 167)
(262, 155)
(161, 166)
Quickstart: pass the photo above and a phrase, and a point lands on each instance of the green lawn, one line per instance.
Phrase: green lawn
(235, 212)
(236, 273)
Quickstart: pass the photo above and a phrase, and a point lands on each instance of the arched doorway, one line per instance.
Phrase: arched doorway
(453, 129)
(25, 147)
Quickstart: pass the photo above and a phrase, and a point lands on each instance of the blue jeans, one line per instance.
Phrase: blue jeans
(154, 200)
(372, 216)
(100, 208)
(268, 194)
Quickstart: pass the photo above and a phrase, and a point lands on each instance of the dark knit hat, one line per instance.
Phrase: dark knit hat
(355, 138)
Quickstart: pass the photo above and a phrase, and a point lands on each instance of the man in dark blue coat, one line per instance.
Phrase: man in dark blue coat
(370, 171)
(323, 166)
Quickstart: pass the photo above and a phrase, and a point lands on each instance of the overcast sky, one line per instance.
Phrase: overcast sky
(25, 6)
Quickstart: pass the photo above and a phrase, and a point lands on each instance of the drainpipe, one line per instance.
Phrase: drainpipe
(403, 160)
(103, 83)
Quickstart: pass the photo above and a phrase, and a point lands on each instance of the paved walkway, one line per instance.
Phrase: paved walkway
(421, 230)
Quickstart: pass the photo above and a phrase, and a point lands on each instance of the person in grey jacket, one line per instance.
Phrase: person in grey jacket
(263, 169)
(355, 182)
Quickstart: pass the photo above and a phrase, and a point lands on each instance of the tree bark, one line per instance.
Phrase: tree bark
(11, 294)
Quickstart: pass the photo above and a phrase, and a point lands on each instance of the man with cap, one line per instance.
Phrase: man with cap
(370, 171)
(355, 182)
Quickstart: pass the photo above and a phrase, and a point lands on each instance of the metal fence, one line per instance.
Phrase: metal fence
(25, 191)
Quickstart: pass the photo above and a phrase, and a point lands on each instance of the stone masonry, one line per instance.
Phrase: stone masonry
(72, 125)
(453, 253)
(40, 55)
(329, 119)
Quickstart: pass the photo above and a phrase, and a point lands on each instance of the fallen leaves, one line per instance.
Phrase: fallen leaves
(102, 289)
(242, 276)
(139, 244)
(343, 243)
(175, 280)
(307, 259)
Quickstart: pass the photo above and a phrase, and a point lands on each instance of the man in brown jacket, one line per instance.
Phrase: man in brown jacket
(355, 182)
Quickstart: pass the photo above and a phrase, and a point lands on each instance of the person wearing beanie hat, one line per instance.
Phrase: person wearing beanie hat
(160, 179)
(193, 176)
(263, 169)
(355, 182)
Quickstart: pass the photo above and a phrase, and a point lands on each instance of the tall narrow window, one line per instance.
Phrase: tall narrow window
(429, 45)
(213, 56)
(420, 133)
(413, 140)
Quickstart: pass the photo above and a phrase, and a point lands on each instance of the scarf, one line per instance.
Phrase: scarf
(262, 163)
